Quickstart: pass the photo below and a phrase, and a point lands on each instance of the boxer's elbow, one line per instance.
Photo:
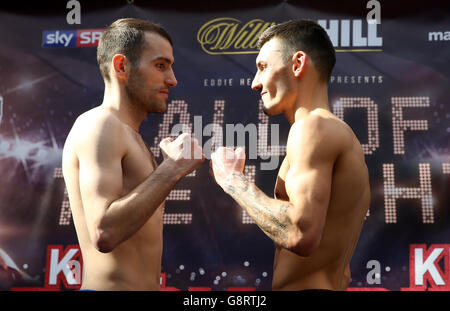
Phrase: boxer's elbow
(304, 244)
(104, 244)
(104, 233)
(103, 240)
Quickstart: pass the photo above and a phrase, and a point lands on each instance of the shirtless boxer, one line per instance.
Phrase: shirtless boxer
(116, 190)
(322, 190)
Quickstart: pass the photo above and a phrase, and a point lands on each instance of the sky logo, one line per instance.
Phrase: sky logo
(89, 37)
(71, 38)
(59, 38)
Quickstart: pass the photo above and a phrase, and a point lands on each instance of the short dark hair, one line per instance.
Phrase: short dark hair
(305, 35)
(125, 36)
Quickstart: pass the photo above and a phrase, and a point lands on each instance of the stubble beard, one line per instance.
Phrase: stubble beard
(136, 92)
(278, 105)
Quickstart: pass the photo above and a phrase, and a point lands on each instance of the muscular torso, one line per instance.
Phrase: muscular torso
(136, 263)
(328, 266)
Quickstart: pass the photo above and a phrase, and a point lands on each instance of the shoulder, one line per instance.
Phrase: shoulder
(319, 134)
(95, 128)
(98, 119)
(316, 123)
(98, 122)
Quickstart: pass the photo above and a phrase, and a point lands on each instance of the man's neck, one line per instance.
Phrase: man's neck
(116, 100)
(310, 98)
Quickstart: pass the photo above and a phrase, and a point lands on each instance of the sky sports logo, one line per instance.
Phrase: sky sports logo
(71, 38)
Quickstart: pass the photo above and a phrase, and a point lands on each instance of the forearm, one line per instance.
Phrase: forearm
(126, 215)
(271, 215)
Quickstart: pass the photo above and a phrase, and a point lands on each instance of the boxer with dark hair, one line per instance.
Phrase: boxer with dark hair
(322, 191)
(116, 189)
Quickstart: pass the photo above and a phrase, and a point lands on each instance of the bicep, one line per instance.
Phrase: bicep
(309, 190)
(100, 182)
(312, 152)
(100, 176)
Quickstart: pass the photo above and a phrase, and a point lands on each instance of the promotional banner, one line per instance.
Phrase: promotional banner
(390, 85)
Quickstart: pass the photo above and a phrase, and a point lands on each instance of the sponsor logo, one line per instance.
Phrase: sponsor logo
(63, 266)
(429, 267)
(64, 269)
(227, 35)
(348, 35)
(89, 37)
(58, 38)
(71, 38)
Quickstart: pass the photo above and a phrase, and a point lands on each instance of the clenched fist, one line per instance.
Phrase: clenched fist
(184, 153)
(226, 161)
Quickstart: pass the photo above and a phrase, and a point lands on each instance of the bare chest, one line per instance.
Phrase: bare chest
(137, 164)
(280, 187)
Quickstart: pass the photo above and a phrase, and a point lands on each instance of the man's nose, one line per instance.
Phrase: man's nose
(256, 85)
(171, 81)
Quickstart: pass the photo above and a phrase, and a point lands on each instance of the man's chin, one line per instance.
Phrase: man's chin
(160, 108)
(163, 107)
(270, 111)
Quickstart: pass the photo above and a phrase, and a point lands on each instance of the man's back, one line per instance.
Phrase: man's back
(328, 266)
(100, 147)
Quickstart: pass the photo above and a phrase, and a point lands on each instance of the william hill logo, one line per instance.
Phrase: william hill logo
(227, 35)
(353, 35)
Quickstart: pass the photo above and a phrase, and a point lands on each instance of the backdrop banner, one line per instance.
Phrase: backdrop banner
(390, 84)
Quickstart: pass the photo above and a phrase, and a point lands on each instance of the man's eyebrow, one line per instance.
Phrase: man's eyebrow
(167, 60)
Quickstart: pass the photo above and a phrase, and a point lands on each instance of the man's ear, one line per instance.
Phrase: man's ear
(120, 66)
(299, 63)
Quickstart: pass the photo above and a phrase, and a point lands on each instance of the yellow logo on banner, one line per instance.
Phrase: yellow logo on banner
(227, 35)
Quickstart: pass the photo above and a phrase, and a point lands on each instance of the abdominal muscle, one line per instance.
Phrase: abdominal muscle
(135, 264)
(328, 267)
(292, 272)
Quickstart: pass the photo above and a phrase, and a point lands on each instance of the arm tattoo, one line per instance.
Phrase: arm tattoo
(243, 183)
(269, 214)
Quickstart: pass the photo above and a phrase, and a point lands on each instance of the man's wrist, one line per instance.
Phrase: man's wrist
(234, 182)
(172, 170)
